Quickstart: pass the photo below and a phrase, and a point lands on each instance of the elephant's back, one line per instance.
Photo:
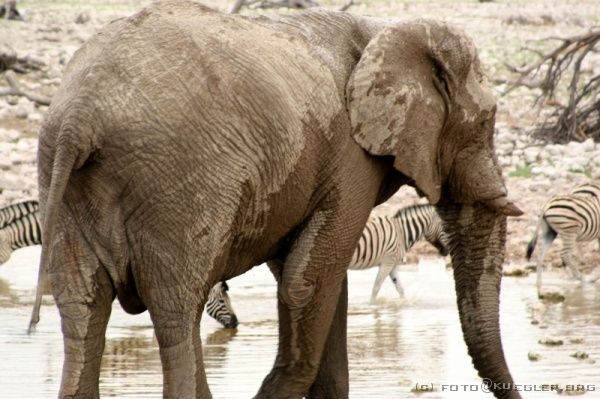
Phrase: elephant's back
(180, 74)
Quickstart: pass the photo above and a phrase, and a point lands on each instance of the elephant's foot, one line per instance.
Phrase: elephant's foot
(330, 390)
(289, 382)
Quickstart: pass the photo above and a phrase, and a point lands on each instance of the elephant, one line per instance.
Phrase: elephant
(185, 146)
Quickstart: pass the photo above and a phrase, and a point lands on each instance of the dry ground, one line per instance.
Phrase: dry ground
(53, 30)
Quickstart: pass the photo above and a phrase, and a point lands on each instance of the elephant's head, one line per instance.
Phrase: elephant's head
(418, 94)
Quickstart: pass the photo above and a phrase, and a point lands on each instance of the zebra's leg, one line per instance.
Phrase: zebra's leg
(566, 255)
(384, 271)
(395, 276)
(540, 263)
(547, 236)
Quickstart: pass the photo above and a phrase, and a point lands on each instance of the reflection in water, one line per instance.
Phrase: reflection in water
(392, 345)
(131, 366)
(215, 347)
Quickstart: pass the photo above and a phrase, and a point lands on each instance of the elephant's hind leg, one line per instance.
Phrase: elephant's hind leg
(309, 287)
(176, 315)
(83, 293)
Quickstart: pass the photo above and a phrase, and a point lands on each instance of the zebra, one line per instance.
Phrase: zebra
(25, 231)
(218, 306)
(590, 188)
(15, 211)
(385, 240)
(22, 232)
(576, 217)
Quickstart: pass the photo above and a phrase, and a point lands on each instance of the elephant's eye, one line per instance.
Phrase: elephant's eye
(441, 77)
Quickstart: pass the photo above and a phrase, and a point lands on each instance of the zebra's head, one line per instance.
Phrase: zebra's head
(435, 235)
(219, 306)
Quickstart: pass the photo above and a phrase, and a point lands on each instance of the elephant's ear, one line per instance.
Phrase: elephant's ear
(398, 100)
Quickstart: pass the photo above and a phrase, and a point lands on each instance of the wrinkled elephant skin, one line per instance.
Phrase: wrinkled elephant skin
(186, 146)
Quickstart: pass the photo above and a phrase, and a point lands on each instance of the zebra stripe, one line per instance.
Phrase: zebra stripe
(385, 241)
(575, 217)
(218, 306)
(589, 188)
(22, 232)
(13, 212)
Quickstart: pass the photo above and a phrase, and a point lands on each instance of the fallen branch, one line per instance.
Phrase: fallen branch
(265, 4)
(347, 5)
(10, 61)
(580, 117)
(15, 89)
(9, 11)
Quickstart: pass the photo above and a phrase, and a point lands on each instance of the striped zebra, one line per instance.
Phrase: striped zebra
(590, 188)
(385, 241)
(576, 217)
(22, 232)
(13, 212)
(218, 306)
(25, 231)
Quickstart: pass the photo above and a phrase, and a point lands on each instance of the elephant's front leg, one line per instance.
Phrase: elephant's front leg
(332, 380)
(308, 290)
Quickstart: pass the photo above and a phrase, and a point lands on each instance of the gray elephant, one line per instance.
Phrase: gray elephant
(186, 146)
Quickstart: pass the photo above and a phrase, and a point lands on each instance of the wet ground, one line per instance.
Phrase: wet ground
(393, 345)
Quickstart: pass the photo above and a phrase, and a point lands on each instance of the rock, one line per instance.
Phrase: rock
(35, 117)
(551, 297)
(23, 108)
(537, 170)
(580, 355)
(532, 356)
(576, 340)
(5, 164)
(82, 18)
(551, 342)
(555, 149)
(515, 272)
(588, 145)
(531, 154)
(8, 135)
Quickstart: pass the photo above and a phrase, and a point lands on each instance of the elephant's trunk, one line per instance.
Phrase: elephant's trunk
(477, 236)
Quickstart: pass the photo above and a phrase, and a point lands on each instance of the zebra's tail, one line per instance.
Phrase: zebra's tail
(532, 243)
(547, 232)
(534, 238)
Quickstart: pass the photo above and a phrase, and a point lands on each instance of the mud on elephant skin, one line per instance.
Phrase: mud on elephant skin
(186, 146)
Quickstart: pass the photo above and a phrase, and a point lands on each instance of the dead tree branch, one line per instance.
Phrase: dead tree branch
(10, 61)
(265, 4)
(580, 117)
(346, 6)
(15, 89)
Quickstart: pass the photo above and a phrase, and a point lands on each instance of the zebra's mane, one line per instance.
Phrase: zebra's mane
(407, 209)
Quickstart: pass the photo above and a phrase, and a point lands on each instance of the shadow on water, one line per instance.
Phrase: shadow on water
(393, 344)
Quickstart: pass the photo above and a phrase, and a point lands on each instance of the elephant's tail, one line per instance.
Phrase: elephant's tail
(71, 153)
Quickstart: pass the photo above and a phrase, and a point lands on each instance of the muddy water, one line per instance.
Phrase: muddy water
(393, 345)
